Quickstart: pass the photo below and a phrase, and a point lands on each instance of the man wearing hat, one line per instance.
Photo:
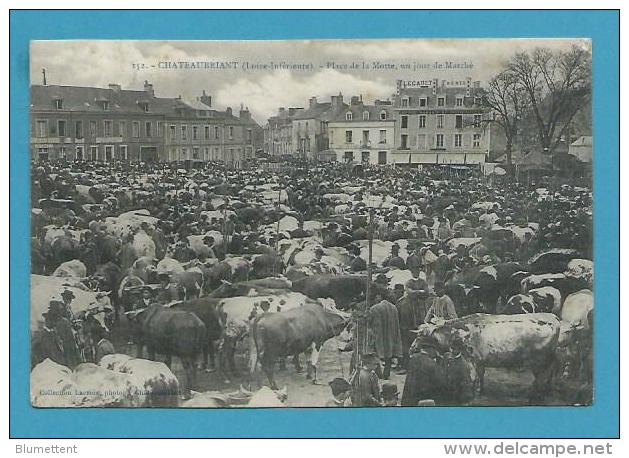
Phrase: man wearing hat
(169, 291)
(68, 296)
(341, 393)
(442, 308)
(390, 395)
(56, 318)
(365, 384)
(356, 263)
(394, 260)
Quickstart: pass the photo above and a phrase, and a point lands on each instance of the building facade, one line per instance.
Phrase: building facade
(278, 133)
(107, 124)
(363, 133)
(310, 126)
(440, 123)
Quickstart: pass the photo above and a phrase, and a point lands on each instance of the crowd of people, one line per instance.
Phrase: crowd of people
(436, 223)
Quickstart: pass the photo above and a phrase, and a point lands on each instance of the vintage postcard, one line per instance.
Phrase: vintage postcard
(325, 223)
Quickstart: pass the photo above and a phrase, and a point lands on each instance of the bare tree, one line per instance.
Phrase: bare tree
(557, 85)
(505, 98)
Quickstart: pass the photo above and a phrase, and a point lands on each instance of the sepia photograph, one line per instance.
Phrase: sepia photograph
(311, 223)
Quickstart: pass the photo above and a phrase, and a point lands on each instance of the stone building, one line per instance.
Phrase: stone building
(440, 122)
(363, 133)
(106, 124)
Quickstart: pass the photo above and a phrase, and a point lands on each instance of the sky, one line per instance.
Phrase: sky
(323, 67)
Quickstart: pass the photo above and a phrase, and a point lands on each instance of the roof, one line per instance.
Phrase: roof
(450, 93)
(358, 111)
(79, 98)
(82, 99)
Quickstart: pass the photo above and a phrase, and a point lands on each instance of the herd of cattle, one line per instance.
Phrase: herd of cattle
(264, 263)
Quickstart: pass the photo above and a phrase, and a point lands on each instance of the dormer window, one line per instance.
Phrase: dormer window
(348, 116)
(383, 115)
(58, 104)
(405, 102)
(104, 104)
(144, 106)
(365, 116)
(459, 101)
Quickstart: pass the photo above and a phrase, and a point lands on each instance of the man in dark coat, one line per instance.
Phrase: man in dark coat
(365, 384)
(412, 309)
(446, 376)
(394, 260)
(384, 333)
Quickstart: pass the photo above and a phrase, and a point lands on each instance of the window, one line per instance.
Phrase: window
(459, 101)
(404, 142)
(382, 157)
(148, 129)
(422, 121)
(108, 127)
(195, 153)
(476, 141)
(41, 129)
(365, 116)
(58, 104)
(160, 129)
(440, 119)
(78, 129)
(172, 132)
(61, 128)
(145, 107)
(458, 121)
(348, 156)
(62, 153)
(195, 132)
(184, 132)
(383, 115)
(477, 119)
(122, 129)
(124, 155)
(383, 136)
(92, 128)
(365, 157)
(405, 102)
(94, 153)
(423, 102)
(184, 153)
(216, 132)
(136, 129)
(80, 151)
(104, 105)
(365, 137)
(332, 136)
(231, 132)
(42, 154)
(348, 136)
(441, 102)
(477, 100)
(404, 122)
(206, 132)
(348, 117)
(439, 140)
(421, 142)
(249, 136)
(458, 140)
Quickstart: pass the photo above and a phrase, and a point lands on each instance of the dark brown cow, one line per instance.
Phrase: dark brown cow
(344, 289)
(171, 332)
(303, 329)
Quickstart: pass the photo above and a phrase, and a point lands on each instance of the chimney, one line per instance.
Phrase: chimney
(244, 113)
(337, 101)
(114, 87)
(206, 99)
(313, 102)
(148, 88)
(228, 110)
